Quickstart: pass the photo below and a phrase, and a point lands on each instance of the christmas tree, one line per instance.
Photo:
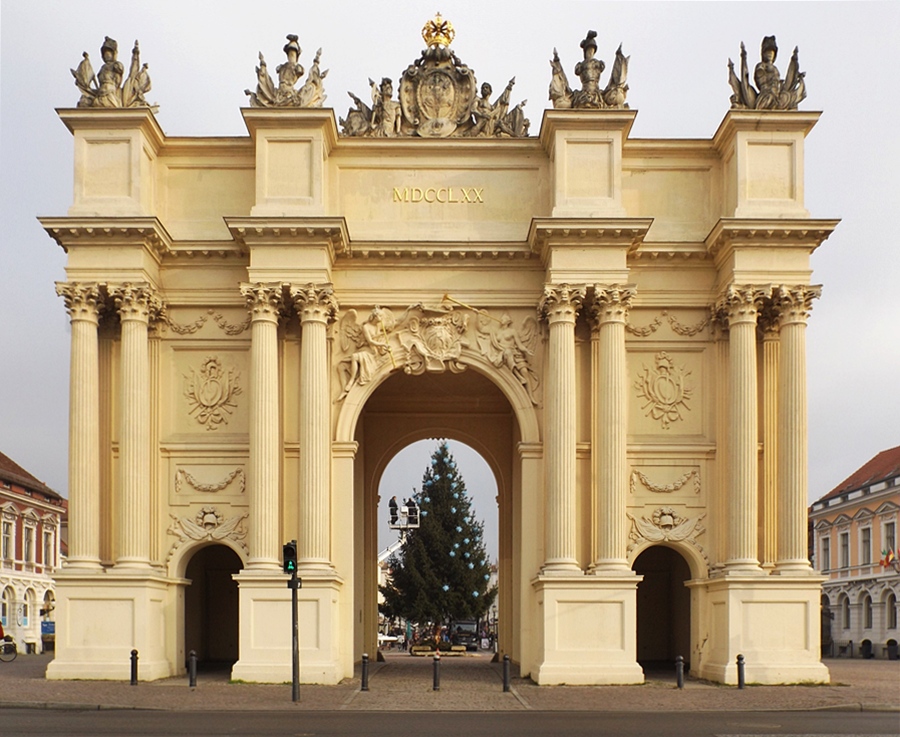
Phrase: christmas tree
(441, 572)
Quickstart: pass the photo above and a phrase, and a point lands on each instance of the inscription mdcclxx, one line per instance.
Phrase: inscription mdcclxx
(444, 195)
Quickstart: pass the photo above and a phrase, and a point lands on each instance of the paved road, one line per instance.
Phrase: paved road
(16, 723)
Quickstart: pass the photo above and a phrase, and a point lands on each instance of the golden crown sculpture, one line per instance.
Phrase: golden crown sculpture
(438, 32)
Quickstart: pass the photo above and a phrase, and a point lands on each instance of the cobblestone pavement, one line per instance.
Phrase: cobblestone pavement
(471, 683)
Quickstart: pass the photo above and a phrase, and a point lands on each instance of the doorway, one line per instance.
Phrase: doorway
(211, 606)
(663, 609)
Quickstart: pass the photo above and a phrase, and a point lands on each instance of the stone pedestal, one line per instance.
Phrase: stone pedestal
(587, 631)
(266, 632)
(774, 622)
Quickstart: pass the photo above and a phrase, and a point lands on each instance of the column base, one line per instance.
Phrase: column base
(587, 631)
(266, 632)
(102, 617)
(773, 621)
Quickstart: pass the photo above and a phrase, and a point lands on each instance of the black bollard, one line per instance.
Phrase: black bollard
(505, 673)
(679, 671)
(364, 686)
(192, 669)
(740, 667)
(437, 673)
(134, 661)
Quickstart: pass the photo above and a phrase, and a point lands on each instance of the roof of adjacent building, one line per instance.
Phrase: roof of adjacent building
(13, 473)
(884, 466)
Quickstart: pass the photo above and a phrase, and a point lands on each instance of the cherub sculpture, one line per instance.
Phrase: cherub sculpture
(771, 92)
(504, 346)
(105, 89)
(311, 94)
(588, 71)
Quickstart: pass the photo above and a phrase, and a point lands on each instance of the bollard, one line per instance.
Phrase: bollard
(134, 661)
(192, 669)
(364, 686)
(679, 671)
(740, 667)
(505, 673)
(437, 673)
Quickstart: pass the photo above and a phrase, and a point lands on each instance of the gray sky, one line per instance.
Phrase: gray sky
(202, 55)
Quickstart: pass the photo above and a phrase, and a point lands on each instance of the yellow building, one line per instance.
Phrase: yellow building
(260, 323)
(854, 529)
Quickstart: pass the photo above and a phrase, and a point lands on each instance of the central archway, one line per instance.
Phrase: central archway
(467, 407)
(211, 605)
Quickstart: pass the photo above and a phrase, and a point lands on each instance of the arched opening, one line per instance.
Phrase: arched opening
(211, 606)
(891, 611)
(466, 407)
(663, 609)
(401, 481)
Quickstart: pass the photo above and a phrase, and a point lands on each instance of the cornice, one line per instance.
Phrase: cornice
(770, 121)
(331, 232)
(147, 232)
(299, 119)
(546, 233)
(457, 253)
(676, 252)
(734, 233)
(141, 118)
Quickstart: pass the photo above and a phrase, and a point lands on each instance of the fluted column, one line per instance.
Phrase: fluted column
(794, 304)
(559, 306)
(83, 303)
(609, 425)
(266, 304)
(742, 304)
(317, 307)
(137, 304)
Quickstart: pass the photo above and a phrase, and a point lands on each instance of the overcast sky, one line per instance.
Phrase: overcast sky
(202, 55)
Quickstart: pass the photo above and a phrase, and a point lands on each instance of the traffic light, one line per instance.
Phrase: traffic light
(289, 557)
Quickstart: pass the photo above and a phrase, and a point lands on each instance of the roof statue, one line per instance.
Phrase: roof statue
(588, 70)
(771, 92)
(310, 94)
(437, 98)
(105, 89)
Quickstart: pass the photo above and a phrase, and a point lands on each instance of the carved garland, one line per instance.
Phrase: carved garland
(182, 477)
(668, 488)
(687, 331)
(218, 318)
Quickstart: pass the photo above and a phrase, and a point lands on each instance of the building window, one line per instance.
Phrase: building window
(891, 606)
(890, 536)
(28, 607)
(49, 559)
(7, 540)
(866, 546)
(845, 613)
(28, 552)
(845, 550)
(6, 606)
(825, 551)
(867, 612)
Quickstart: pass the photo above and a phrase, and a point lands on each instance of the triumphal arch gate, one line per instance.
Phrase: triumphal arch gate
(260, 323)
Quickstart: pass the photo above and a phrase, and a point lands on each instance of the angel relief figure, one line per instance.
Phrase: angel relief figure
(504, 346)
(365, 343)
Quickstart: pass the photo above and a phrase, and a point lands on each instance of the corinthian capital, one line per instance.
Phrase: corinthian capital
(561, 301)
(611, 303)
(315, 302)
(83, 299)
(795, 303)
(137, 301)
(742, 303)
(265, 301)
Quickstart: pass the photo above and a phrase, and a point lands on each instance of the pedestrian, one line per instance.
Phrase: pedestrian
(392, 506)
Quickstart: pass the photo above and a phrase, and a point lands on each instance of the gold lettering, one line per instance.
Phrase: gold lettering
(444, 195)
(433, 195)
(451, 196)
(478, 193)
(417, 194)
(444, 190)
(401, 196)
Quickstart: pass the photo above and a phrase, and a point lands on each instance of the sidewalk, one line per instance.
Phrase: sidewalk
(472, 683)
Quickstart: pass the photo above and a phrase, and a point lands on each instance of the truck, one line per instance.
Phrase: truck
(464, 632)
